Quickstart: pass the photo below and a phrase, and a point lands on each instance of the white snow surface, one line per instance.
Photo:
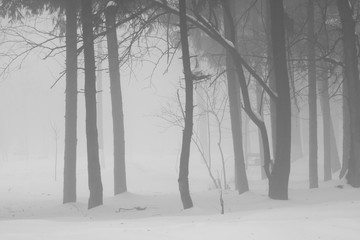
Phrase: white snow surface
(31, 206)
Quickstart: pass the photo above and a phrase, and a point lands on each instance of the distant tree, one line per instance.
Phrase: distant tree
(94, 174)
(187, 132)
(346, 128)
(331, 156)
(100, 102)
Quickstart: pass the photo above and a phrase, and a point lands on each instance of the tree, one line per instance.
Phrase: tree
(352, 80)
(240, 63)
(94, 174)
(69, 192)
(187, 132)
(241, 182)
(279, 179)
(346, 129)
(313, 145)
(116, 101)
(331, 156)
(272, 80)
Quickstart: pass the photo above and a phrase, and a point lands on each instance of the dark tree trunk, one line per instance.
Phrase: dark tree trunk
(116, 103)
(352, 78)
(94, 174)
(279, 179)
(69, 193)
(187, 132)
(313, 144)
(241, 182)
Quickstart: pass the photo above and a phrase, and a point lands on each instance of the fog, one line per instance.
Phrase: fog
(32, 111)
(32, 104)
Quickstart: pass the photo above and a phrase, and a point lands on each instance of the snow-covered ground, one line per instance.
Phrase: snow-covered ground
(31, 208)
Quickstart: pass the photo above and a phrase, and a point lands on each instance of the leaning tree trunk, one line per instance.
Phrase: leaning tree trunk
(94, 174)
(69, 193)
(187, 133)
(116, 103)
(313, 145)
(352, 78)
(241, 182)
(279, 179)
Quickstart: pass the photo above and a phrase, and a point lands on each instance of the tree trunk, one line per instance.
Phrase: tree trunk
(241, 182)
(325, 107)
(279, 179)
(352, 78)
(69, 193)
(346, 130)
(203, 123)
(331, 156)
(94, 174)
(335, 161)
(259, 103)
(313, 144)
(296, 145)
(187, 132)
(272, 80)
(116, 103)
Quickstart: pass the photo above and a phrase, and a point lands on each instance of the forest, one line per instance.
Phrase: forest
(179, 119)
